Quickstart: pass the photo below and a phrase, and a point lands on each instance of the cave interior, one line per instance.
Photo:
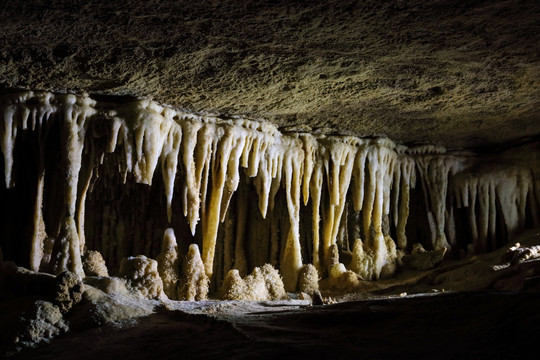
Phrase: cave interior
(252, 169)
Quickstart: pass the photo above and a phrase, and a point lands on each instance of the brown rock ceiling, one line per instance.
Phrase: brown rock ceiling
(457, 73)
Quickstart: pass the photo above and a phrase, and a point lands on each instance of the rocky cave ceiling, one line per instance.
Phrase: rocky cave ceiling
(455, 73)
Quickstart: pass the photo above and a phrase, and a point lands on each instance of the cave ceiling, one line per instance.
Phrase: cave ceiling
(455, 73)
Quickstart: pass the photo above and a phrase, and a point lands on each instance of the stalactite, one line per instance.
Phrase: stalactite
(506, 187)
(405, 179)
(315, 185)
(435, 171)
(211, 167)
(338, 164)
(192, 187)
(291, 261)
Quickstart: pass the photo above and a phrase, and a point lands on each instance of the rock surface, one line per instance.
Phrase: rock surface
(40, 324)
(458, 73)
(446, 326)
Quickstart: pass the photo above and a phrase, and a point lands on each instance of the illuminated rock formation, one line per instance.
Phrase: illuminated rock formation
(168, 264)
(264, 283)
(84, 174)
(142, 277)
(194, 279)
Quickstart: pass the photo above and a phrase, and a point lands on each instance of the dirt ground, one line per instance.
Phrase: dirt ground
(457, 73)
(448, 326)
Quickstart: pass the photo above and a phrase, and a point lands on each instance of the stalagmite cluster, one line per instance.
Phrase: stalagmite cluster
(264, 283)
(88, 174)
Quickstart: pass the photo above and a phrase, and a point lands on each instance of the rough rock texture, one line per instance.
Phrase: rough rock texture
(341, 279)
(94, 265)
(450, 326)
(264, 283)
(40, 324)
(142, 276)
(99, 308)
(461, 73)
(64, 290)
(194, 280)
(458, 73)
(68, 291)
(423, 260)
(168, 264)
(109, 285)
(308, 279)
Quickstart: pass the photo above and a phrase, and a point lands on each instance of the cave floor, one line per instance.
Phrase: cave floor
(472, 308)
(444, 325)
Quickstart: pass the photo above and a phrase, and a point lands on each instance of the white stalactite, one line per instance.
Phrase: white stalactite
(506, 188)
(325, 172)
(435, 171)
(292, 257)
(338, 164)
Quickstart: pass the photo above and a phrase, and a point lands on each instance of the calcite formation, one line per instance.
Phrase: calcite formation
(84, 173)
(264, 283)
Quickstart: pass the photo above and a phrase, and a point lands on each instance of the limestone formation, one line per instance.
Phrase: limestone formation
(316, 194)
(519, 254)
(159, 156)
(234, 287)
(40, 324)
(194, 282)
(343, 280)
(308, 279)
(263, 283)
(168, 264)
(142, 277)
(421, 259)
(94, 265)
(68, 291)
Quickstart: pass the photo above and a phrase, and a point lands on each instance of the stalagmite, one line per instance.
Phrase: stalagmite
(168, 264)
(308, 279)
(234, 287)
(142, 277)
(194, 280)
(341, 279)
(264, 283)
(94, 265)
(316, 195)
(39, 234)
